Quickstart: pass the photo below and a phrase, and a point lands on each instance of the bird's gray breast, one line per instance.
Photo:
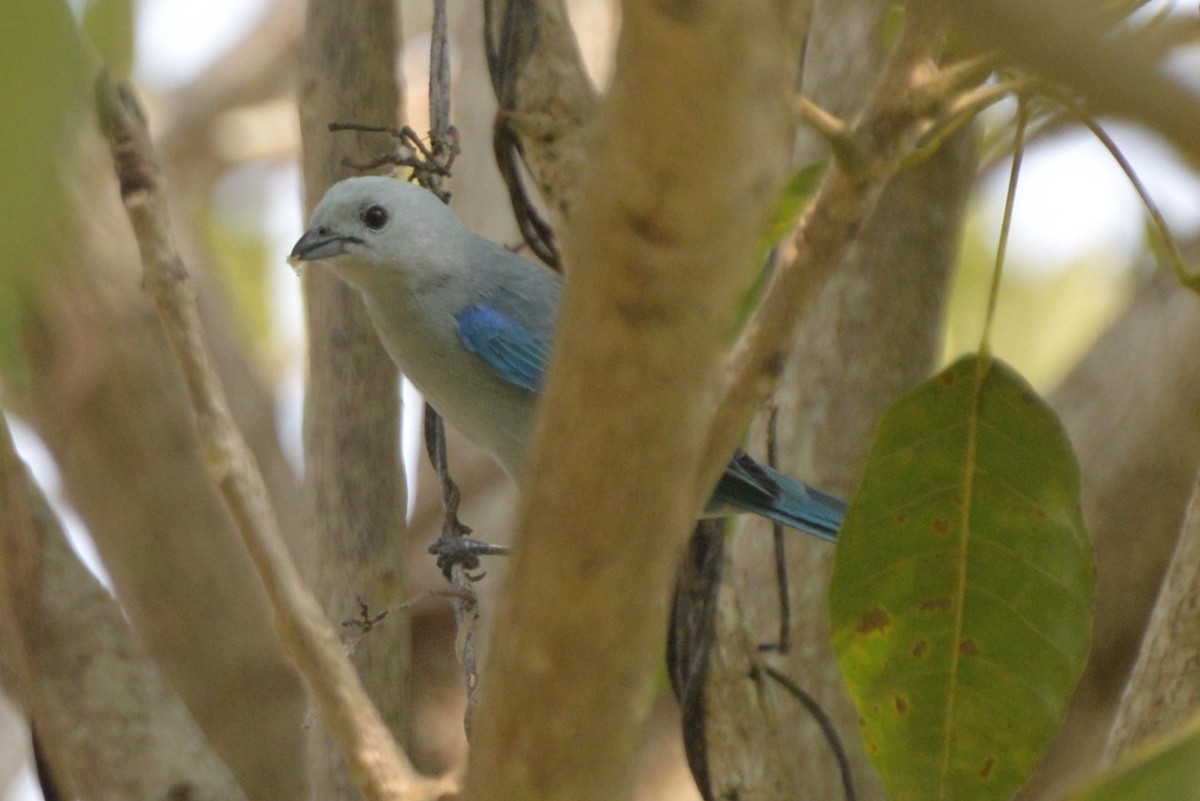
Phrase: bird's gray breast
(420, 333)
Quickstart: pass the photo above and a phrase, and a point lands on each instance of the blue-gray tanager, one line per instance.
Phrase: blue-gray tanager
(470, 323)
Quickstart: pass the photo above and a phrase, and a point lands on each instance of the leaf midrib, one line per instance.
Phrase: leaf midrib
(979, 375)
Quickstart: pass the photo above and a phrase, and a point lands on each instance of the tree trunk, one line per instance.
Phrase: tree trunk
(1129, 408)
(352, 409)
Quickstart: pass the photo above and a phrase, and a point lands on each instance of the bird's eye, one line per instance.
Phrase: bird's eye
(375, 217)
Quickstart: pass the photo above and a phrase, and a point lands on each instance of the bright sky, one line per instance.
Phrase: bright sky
(176, 39)
(1073, 200)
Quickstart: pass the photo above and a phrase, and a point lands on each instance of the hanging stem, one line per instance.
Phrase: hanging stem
(444, 145)
(985, 347)
(1170, 250)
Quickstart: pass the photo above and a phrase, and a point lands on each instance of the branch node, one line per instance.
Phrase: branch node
(848, 148)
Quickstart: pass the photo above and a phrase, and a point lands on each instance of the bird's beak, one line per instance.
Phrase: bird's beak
(318, 243)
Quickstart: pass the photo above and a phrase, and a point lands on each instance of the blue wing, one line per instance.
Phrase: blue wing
(517, 352)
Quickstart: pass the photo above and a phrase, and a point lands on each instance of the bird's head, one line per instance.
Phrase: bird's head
(380, 224)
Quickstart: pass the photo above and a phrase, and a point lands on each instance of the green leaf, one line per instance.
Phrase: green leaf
(1168, 769)
(893, 25)
(13, 366)
(43, 90)
(799, 190)
(962, 588)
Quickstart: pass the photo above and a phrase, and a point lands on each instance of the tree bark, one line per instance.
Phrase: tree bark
(352, 408)
(1164, 690)
(105, 716)
(872, 333)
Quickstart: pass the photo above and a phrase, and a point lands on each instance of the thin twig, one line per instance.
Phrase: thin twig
(1010, 199)
(784, 644)
(839, 134)
(958, 113)
(1173, 255)
(948, 78)
(366, 621)
(464, 600)
(824, 721)
(380, 767)
(430, 164)
(537, 233)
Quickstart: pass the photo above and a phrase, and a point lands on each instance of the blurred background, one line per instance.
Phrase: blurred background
(218, 78)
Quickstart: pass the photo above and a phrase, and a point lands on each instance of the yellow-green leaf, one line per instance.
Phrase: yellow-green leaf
(1168, 769)
(962, 589)
(893, 25)
(799, 190)
(42, 92)
(109, 24)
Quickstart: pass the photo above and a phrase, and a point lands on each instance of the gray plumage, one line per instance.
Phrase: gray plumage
(471, 325)
(416, 274)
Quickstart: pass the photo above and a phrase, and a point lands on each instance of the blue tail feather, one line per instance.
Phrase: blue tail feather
(753, 487)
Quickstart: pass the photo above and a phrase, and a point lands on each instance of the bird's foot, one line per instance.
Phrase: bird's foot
(451, 551)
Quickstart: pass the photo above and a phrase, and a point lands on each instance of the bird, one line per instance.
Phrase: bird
(471, 324)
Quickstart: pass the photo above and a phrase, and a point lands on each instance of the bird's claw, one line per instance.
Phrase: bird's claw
(464, 551)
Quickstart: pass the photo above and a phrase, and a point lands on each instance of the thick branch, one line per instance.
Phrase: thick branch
(103, 714)
(1164, 690)
(872, 334)
(1069, 43)
(309, 639)
(659, 248)
(1137, 477)
(20, 607)
(868, 334)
